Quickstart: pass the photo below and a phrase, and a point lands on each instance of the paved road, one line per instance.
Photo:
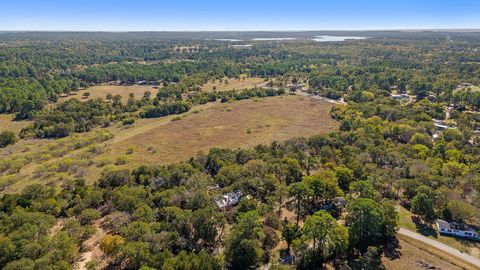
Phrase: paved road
(441, 246)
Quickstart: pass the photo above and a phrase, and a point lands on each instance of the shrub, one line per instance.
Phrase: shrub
(7, 138)
(121, 160)
(88, 216)
(111, 244)
(128, 121)
(130, 150)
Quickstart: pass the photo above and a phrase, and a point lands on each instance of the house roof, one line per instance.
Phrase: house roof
(453, 225)
(228, 199)
(443, 224)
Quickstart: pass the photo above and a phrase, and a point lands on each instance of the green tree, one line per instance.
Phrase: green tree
(422, 205)
(206, 222)
(300, 192)
(290, 232)
(372, 259)
(421, 138)
(460, 211)
(7, 250)
(243, 249)
(111, 245)
(7, 138)
(323, 186)
(328, 237)
(369, 223)
(344, 176)
(362, 189)
(88, 216)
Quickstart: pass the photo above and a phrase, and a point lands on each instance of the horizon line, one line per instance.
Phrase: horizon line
(200, 31)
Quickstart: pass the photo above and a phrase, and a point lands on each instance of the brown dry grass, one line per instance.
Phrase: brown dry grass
(464, 245)
(7, 123)
(173, 138)
(239, 124)
(234, 84)
(101, 91)
(417, 255)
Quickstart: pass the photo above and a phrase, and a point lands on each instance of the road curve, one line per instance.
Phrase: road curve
(448, 249)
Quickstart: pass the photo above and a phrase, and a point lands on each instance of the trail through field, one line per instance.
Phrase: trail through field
(57, 227)
(91, 248)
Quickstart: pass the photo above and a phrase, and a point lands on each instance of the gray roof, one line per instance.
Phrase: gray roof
(454, 226)
(443, 224)
(228, 199)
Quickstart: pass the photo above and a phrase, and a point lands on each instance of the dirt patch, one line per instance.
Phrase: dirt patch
(91, 249)
(57, 227)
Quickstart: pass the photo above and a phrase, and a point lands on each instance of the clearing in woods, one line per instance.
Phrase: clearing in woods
(7, 123)
(243, 123)
(101, 91)
(234, 84)
(164, 140)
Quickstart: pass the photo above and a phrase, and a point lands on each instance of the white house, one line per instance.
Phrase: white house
(400, 96)
(457, 229)
(439, 124)
(229, 199)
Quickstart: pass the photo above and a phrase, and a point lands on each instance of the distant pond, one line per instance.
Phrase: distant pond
(335, 38)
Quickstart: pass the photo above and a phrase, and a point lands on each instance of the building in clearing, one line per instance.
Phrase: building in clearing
(228, 199)
(400, 96)
(457, 229)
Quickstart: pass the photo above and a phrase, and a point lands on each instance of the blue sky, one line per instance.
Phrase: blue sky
(230, 15)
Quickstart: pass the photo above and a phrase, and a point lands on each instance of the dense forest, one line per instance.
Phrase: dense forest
(342, 189)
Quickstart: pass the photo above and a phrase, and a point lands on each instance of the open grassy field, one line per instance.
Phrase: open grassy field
(417, 255)
(7, 123)
(234, 84)
(163, 140)
(466, 246)
(239, 124)
(101, 91)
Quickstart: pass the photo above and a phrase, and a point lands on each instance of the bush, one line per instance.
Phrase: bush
(114, 178)
(88, 216)
(130, 150)
(121, 160)
(7, 138)
(128, 121)
(111, 244)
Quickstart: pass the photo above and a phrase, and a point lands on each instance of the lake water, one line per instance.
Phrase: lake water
(228, 39)
(335, 38)
(325, 38)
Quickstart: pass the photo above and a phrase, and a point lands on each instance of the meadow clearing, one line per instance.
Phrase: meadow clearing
(244, 82)
(7, 123)
(163, 140)
(101, 91)
(244, 123)
(471, 88)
